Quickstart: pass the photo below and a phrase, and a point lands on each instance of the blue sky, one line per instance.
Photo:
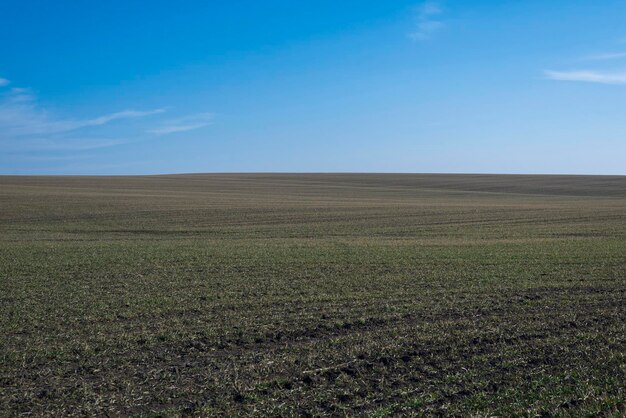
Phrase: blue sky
(142, 87)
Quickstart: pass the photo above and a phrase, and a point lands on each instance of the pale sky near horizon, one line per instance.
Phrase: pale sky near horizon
(145, 87)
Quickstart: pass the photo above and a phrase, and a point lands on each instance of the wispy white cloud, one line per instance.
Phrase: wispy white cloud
(28, 126)
(605, 56)
(588, 76)
(62, 143)
(186, 123)
(126, 114)
(4, 82)
(49, 158)
(427, 22)
(21, 115)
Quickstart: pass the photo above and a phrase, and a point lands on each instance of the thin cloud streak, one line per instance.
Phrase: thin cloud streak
(126, 114)
(4, 82)
(184, 124)
(27, 126)
(21, 115)
(427, 24)
(587, 76)
(61, 144)
(606, 57)
(52, 158)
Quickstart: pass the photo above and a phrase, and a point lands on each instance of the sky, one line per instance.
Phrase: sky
(151, 87)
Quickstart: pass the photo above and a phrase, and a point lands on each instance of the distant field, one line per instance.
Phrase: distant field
(319, 294)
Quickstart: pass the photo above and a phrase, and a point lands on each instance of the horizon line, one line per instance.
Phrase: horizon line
(317, 173)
